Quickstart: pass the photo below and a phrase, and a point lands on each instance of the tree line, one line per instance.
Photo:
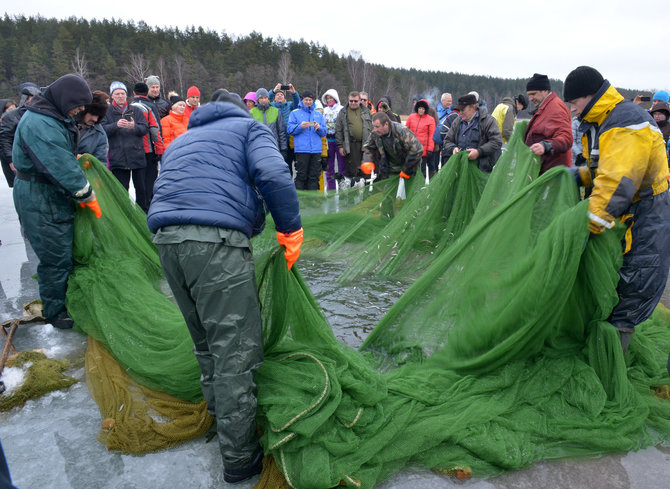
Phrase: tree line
(40, 50)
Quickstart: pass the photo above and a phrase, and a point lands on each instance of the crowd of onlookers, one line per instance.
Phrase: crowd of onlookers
(321, 139)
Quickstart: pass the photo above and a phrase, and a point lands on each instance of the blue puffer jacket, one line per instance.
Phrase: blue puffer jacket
(222, 172)
(285, 107)
(306, 140)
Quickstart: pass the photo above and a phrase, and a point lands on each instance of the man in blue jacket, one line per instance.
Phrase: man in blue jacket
(209, 200)
(307, 126)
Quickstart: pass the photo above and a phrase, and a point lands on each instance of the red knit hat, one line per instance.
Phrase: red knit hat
(192, 92)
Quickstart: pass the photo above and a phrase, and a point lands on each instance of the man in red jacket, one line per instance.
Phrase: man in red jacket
(549, 132)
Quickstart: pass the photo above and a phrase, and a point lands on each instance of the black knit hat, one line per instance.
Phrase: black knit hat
(538, 82)
(141, 88)
(580, 82)
(175, 98)
(306, 94)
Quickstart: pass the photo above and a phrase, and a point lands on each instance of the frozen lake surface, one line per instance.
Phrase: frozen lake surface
(50, 443)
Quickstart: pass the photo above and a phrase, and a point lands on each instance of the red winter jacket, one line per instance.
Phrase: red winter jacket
(552, 123)
(423, 126)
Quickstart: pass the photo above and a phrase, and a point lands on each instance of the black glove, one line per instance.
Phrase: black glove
(324, 162)
(575, 173)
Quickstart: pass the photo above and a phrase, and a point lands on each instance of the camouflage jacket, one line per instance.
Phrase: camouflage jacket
(407, 148)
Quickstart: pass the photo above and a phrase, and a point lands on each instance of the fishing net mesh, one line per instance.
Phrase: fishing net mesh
(498, 354)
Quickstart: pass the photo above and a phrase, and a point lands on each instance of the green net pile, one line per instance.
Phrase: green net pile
(497, 355)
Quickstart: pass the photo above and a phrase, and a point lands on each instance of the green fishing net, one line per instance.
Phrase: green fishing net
(496, 354)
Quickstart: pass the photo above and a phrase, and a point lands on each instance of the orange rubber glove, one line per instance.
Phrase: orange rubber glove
(367, 167)
(94, 206)
(404, 175)
(292, 242)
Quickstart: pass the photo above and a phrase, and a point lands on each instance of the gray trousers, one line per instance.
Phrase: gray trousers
(215, 288)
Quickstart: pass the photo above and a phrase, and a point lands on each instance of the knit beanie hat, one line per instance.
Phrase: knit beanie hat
(152, 80)
(117, 85)
(262, 92)
(538, 82)
(141, 88)
(307, 94)
(661, 95)
(580, 82)
(175, 98)
(192, 92)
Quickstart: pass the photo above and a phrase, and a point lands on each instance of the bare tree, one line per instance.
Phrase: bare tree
(161, 70)
(138, 68)
(284, 71)
(354, 67)
(79, 64)
(180, 66)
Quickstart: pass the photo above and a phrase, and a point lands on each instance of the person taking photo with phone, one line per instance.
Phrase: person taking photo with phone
(126, 126)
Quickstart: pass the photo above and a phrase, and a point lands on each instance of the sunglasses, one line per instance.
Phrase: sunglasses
(354, 101)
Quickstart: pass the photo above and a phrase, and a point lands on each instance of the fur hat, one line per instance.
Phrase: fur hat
(538, 82)
(580, 82)
(98, 105)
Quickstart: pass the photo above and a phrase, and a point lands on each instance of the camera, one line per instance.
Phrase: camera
(645, 99)
(285, 87)
(128, 116)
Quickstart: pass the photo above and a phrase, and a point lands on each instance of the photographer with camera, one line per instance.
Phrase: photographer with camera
(126, 127)
(278, 99)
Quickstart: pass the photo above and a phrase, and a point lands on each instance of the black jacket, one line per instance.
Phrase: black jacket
(126, 146)
(8, 125)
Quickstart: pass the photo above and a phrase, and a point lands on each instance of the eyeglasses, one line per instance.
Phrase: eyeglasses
(354, 101)
(364, 100)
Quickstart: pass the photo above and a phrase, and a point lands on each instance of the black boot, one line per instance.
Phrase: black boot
(61, 321)
(250, 469)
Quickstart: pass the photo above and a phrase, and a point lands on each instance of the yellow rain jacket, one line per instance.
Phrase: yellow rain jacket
(626, 156)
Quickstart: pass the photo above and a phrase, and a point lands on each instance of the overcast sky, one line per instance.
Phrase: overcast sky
(626, 40)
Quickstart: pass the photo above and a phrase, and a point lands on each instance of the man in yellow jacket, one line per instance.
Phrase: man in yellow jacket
(628, 170)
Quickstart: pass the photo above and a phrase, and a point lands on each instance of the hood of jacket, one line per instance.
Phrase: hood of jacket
(602, 103)
(68, 92)
(333, 93)
(214, 111)
(387, 99)
(422, 103)
(309, 109)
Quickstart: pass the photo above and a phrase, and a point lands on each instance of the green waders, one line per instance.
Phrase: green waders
(211, 274)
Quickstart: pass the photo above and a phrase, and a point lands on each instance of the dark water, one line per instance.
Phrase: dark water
(354, 309)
